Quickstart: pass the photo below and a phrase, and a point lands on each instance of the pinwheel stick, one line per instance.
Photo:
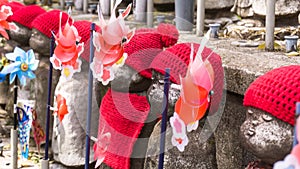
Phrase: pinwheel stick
(295, 131)
(14, 132)
(90, 92)
(164, 119)
(45, 162)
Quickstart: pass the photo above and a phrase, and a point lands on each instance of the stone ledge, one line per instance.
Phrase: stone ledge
(243, 64)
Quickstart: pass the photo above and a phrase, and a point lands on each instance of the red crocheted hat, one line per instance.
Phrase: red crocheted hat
(141, 60)
(176, 58)
(15, 6)
(143, 39)
(49, 21)
(141, 50)
(26, 15)
(123, 115)
(169, 34)
(276, 92)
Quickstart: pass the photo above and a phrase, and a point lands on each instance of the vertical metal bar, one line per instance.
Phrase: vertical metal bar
(15, 103)
(90, 92)
(49, 99)
(85, 6)
(270, 24)
(164, 119)
(200, 17)
(150, 13)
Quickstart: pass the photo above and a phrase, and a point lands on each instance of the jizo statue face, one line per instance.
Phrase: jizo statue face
(39, 42)
(267, 137)
(155, 94)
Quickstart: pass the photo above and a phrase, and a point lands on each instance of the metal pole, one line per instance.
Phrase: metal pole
(112, 3)
(85, 6)
(200, 17)
(45, 161)
(270, 24)
(14, 132)
(164, 119)
(150, 13)
(90, 92)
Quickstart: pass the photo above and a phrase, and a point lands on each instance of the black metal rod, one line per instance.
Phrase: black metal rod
(15, 104)
(164, 119)
(49, 98)
(90, 92)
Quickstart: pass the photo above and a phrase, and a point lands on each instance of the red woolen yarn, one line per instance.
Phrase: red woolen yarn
(141, 60)
(169, 34)
(49, 21)
(26, 15)
(276, 92)
(143, 40)
(123, 115)
(14, 7)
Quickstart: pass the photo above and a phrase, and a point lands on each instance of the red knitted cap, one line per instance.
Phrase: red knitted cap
(143, 40)
(141, 60)
(176, 58)
(49, 21)
(123, 115)
(169, 34)
(26, 15)
(15, 6)
(276, 92)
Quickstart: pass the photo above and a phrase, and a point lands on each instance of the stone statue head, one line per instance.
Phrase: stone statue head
(271, 100)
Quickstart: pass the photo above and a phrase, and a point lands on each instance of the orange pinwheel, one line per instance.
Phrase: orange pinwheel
(67, 51)
(109, 44)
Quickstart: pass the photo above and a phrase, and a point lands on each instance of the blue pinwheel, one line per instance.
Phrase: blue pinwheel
(24, 63)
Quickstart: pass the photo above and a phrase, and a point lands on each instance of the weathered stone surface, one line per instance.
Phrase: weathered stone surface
(229, 152)
(21, 36)
(198, 153)
(218, 4)
(282, 7)
(40, 89)
(128, 80)
(155, 95)
(243, 8)
(68, 140)
(4, 90)
(267, 137)
(40, 43)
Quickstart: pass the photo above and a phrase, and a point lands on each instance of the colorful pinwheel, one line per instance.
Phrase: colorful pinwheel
(109, 44)
(67, 51)
(24, 63)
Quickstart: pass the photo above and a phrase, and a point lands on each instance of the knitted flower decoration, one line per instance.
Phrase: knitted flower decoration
(24, 63)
